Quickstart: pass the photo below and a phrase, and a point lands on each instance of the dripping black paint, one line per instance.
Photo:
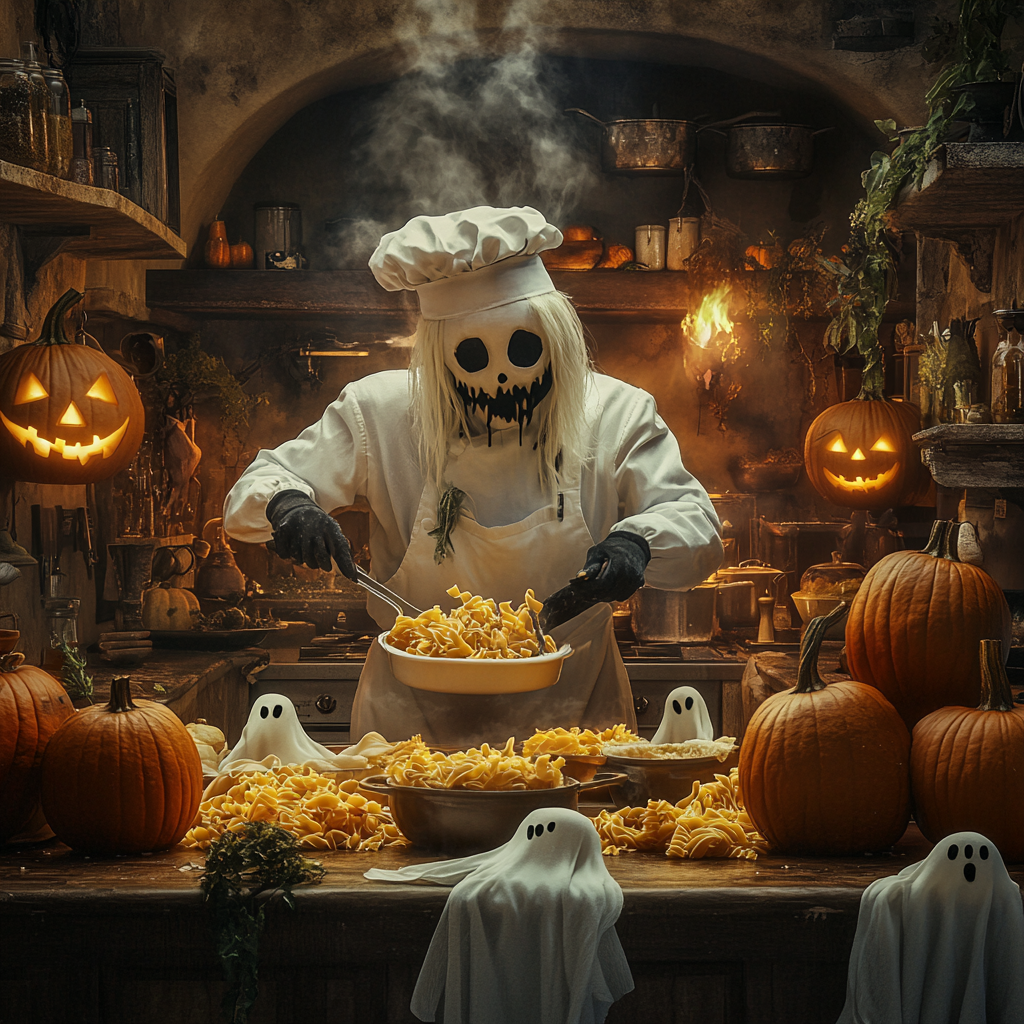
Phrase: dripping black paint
(513, 406)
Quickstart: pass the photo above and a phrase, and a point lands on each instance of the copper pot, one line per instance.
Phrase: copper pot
(646, 147)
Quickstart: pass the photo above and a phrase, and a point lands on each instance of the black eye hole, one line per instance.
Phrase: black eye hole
(983, 853)
(551, 826)
(676, 707)
(689, 703)
(968, 852)
(970, 872)
(529, 832)
(953, 851)
(264, 712)
(471, 355)
(277, 710)
(524, 348)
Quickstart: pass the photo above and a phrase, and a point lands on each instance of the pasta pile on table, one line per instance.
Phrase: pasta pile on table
(485, 767)
(321, 813)
(711, 822)
(478, 629)
(576, 741)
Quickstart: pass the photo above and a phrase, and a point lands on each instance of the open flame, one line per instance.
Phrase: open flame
(711, 320)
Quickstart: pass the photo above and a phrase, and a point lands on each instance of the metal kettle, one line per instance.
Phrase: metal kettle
(218, 576)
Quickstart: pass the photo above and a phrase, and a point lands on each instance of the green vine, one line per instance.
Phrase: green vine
(866, 276)
(73, 675)
(262, 860)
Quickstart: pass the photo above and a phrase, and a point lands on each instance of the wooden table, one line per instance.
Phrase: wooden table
(129, 940)
(194, 684)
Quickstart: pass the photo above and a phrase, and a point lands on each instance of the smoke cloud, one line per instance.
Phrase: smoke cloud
(476, 121)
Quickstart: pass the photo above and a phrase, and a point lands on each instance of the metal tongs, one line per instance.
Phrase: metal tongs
(389, 597)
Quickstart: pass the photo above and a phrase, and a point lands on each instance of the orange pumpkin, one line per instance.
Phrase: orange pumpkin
(967, 765)
(217, 253)
(825, 769)
(241, 256)
(123, 777)
(916, 623)
(218, 230)
(861, 454)
(33, 705)
(68, 413)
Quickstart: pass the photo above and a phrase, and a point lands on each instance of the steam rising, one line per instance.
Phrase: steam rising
(472, 102)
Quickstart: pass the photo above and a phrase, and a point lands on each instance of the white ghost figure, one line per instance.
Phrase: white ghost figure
(528, 932)
(686, 718)
(274, 729)
(942, 942)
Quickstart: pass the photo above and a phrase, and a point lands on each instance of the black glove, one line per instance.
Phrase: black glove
(305, 533)
(614, 571)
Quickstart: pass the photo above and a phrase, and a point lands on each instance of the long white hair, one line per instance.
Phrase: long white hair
(439, 414)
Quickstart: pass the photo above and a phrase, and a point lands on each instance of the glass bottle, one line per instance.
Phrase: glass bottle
(105, 172)
(40, 105)
(62, 626)
(16, 125)
(81, 131)
(58, 120)
(1008, 381)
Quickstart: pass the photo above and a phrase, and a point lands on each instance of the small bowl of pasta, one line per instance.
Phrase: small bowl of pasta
(481, 647)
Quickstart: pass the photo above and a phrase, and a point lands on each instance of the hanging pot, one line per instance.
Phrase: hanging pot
(768, 150)
(649, 147)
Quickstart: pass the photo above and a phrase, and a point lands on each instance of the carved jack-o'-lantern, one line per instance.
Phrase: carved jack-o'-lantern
(68, 413)
(861, 454)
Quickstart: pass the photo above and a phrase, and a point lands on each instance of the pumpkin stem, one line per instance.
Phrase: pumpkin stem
(808, 679)
(868, 394)
(121, 694)
(10, 662)
(53, 325)
(952, 543)
(995, 687)
(937, 546)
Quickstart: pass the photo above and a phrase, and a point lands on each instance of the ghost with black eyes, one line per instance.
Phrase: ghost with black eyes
(942, 942)
(686, 718)
(274, 730)
(528, 932)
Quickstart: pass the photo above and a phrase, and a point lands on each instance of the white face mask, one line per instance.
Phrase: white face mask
(686, 718)
(940, 941)
(501, 363)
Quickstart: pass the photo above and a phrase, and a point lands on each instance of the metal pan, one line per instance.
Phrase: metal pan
(645, 147)
(779, 152)
(470, 820)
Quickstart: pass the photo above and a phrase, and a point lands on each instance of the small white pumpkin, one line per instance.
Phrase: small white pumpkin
(165, 608)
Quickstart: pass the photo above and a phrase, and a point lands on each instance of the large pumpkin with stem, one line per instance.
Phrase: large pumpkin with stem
(916, 622)
(967, 765)
(124, 777)
(825, 769)
(68, 413)
(33, 705)
(861, 454)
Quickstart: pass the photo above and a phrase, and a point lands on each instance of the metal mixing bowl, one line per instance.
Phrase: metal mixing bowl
(670, 779)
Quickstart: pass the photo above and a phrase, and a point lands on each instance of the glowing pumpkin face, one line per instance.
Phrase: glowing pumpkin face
(861, 454)
(68, 413)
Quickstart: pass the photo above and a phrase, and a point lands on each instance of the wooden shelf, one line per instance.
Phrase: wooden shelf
(601, 296)
(93, 222)
(968, 192)
(974, 454)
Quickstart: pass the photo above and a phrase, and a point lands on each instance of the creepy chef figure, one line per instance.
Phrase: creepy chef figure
(572, 484)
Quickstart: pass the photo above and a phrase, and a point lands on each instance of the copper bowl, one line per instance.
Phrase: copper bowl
(671, 779)
(8, 640)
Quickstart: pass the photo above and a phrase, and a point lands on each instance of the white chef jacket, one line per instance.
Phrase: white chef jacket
(364, 447)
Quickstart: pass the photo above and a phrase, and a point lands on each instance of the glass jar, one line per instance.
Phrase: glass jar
(62, 627)
(17, 144)
(58, 119)
(81, 135)
(40, 106)
(278, 236)
(105, 172)
(1008, 382)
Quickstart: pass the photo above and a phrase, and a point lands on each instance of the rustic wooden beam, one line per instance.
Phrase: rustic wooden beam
(961, 455)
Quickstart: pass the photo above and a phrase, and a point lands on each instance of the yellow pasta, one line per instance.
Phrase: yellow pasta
(479, 628)
(576, 741)
(485, 767)
(321, 813)
(711, 822)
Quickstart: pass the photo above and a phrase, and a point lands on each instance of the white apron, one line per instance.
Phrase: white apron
(543, 551)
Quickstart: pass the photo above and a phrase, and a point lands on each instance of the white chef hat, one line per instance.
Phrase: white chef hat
(468, 261)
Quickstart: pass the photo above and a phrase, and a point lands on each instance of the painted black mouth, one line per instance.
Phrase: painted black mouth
(514, 406)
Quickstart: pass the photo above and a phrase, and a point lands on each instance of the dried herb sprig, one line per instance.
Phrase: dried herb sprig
(244, 871)
(73, 675)
(449, 508)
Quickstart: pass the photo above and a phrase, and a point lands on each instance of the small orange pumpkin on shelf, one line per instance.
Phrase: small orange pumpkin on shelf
(33, 706)
(217, 251)
(241, 256)
(123, 777)
(967, 764)
(825, 769)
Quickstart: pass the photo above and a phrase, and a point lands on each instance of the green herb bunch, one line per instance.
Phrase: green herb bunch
(73, 675)
(244, 870)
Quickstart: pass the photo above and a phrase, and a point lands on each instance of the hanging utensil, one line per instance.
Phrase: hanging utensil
(645, 147)
(767, 149)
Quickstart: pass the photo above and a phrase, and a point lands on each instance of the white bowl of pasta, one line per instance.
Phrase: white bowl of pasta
(446, 674)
